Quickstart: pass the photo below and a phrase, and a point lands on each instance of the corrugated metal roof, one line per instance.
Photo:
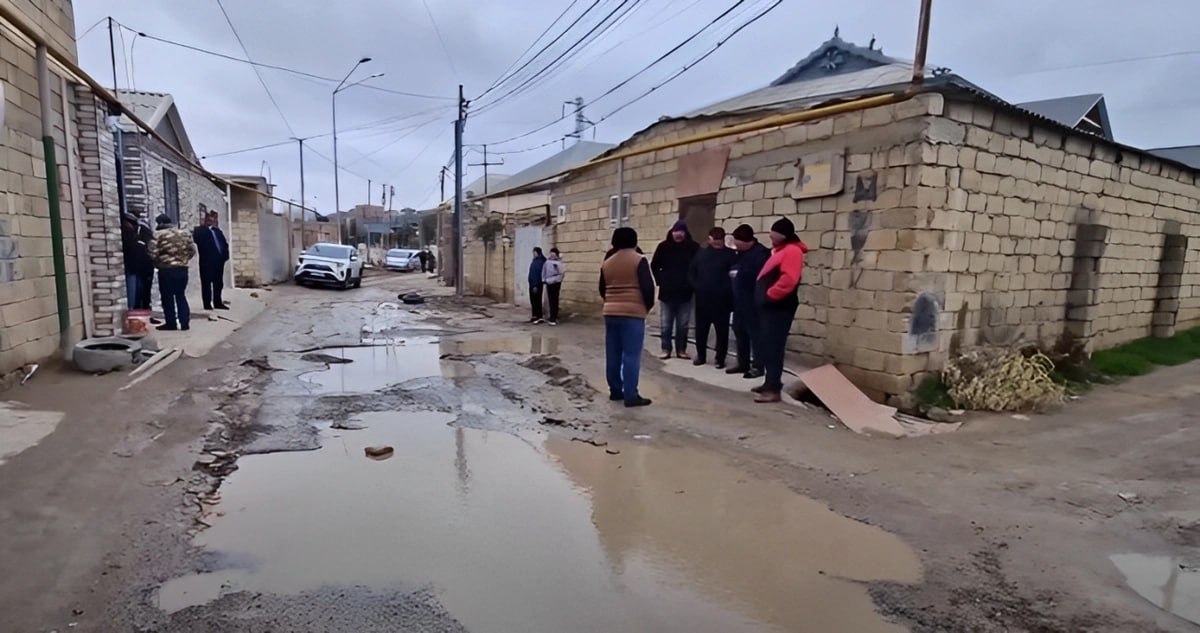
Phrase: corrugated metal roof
(866, 52)
(792, 96)
(1066, 110)
(569, 158)
(151, 107)
(1186, 154)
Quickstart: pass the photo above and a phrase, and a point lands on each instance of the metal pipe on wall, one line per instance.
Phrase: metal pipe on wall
(53, 199)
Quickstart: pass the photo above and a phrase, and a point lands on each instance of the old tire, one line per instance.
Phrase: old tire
(107, 353)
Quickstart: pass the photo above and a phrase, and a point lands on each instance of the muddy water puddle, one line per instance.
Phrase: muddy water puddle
(1163, 580)
(537, 533)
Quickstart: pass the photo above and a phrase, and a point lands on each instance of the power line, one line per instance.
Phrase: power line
(626, 81)
(554, 61)
(285, 69)
(91, 28)
(407, 132)
(442, 40)
(257, 72)
(531, 45)
(542, 50)
(1107, 62)
(666, 81)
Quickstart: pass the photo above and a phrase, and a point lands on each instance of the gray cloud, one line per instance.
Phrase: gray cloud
(997, 45)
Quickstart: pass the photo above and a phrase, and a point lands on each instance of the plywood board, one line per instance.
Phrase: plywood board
(701, 173)
(851, 406)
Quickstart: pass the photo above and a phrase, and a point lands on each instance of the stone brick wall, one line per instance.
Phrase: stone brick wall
(245, 248)
(54, 19)
(28, 306)
(1037, 234)
(490, 267)
(143, 161)
(101, 213)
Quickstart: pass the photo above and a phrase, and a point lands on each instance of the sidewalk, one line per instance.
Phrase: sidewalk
(211, 327)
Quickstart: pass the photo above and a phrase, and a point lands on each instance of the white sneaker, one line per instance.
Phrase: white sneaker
(538, 321)
(552, 322)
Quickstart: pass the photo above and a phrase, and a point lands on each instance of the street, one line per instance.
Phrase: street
(250, 489)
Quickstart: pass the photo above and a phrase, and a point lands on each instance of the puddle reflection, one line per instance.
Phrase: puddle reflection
(1164, 581)
(526, 534)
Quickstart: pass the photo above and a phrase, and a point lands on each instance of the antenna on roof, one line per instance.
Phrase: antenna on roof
(836, 30)
(871, 44)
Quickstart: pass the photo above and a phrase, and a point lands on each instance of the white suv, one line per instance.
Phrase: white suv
(329, 264)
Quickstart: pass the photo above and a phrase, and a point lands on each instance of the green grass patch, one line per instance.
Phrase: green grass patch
(932, 393)
(1140, 357)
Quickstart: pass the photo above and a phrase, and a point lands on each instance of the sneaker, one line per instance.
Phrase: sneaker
(666, 355)
(551, 322)
(768, 396)
(615, 396)
(737, 369)
(639, 402)
(222, 306)
(167, 328)
(752, 374)
(699, 361)
(759, 389)
(683, 355)
(538, 321)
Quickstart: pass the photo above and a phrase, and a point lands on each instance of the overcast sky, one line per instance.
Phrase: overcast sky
(998, 45)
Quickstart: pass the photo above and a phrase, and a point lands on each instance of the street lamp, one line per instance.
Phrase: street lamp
(337, 200)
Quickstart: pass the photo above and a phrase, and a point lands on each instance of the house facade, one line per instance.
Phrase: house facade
(261, 241)
(939, 219)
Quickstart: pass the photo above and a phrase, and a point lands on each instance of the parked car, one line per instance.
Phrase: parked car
(402, 259)
(331, 265)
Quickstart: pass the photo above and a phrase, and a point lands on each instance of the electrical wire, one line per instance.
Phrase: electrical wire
(525, 52)
(125, 61)
(285, 69)
(441, 40)
(635, 75)
(654, 88)
(257, 72)
(552, 42)
(554, 61)
(406, 132)
(91, 28)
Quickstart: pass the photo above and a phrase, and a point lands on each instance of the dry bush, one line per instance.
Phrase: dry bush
(997, 379)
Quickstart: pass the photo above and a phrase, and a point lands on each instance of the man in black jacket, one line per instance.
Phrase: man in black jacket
(714, 296)
(214, 252)
(751, 256)
(671, 264)
(139, 268)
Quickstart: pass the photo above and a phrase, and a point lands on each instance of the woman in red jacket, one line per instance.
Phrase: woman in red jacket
(777, 296)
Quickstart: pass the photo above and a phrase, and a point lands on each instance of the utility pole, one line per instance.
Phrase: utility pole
(391, 196)
(442, 185)
(303, 202)
(368, 192)
(918, 75)
(112, 55)
(581, 122)
(458, 193)
(485, 164)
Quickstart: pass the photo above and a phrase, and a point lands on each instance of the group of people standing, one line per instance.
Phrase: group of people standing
(756, 286)
(169, 250)
(546, 276)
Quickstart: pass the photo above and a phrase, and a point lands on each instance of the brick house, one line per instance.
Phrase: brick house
(940, 219)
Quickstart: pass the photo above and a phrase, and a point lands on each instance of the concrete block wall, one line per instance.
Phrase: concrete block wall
(862, 276)
(28, 305)
(144, 159)
(101, 213)
(245, 255)
(1050, 236)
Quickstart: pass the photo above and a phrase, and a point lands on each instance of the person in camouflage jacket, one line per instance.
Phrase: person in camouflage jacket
(172, 249)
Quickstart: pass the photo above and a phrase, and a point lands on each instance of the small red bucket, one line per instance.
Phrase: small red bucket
(137, 322)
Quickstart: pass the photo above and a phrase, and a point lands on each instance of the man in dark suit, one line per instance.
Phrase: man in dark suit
(214, 252)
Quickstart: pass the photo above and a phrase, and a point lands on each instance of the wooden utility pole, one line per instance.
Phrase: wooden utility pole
(485, 164)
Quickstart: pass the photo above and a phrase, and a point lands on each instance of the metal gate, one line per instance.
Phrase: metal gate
(525, 239)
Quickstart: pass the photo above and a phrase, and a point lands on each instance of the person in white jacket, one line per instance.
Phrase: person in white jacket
(552, 275)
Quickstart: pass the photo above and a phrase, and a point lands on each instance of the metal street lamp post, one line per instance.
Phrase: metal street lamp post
(337, 200)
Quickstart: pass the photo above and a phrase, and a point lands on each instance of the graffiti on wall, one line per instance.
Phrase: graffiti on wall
(8, 253)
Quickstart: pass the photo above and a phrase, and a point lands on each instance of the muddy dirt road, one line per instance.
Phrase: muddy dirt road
(348, 463)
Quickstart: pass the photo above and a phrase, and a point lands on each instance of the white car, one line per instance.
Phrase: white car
(330, 264)
(402, 259)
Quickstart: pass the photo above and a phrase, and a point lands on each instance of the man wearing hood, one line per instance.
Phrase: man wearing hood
(751, 257)
(535, 284)
(671, 263)
(714, 296)
(172, 249)
(777, 294)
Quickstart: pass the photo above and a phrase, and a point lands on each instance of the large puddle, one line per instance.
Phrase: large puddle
(535, 533)
(1163, 580)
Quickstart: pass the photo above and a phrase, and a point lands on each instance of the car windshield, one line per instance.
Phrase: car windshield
(334, 251)
(399, 252)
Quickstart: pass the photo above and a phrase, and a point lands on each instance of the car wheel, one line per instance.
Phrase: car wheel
(358, 280)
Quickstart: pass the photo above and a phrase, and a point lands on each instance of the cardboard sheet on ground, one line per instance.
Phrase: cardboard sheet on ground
(851, 406)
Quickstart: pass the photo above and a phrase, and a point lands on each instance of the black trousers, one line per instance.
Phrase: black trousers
(776, 323)
(142, 300)
(535, 300)
(746, 331)
(212, 281)
(716, 317)
(552, 292)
